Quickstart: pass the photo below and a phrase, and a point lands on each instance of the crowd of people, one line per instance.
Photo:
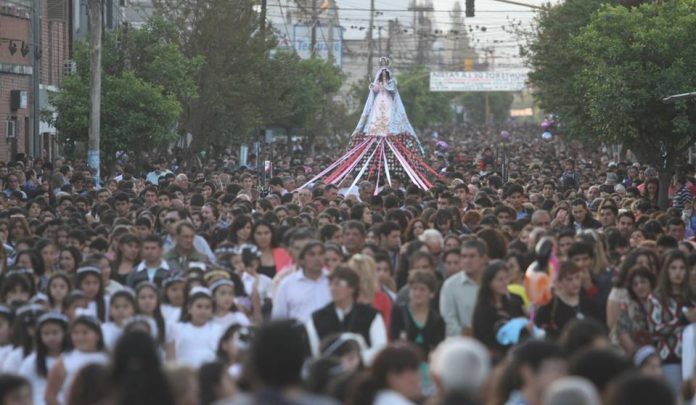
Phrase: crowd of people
(219, 284)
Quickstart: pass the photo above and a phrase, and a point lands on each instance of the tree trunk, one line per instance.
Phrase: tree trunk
(665, 177)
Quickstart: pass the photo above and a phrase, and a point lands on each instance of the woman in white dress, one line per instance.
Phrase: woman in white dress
(226, 312)
(172, 298)
(89, 281)
(147, 301)
(6, 318)
(121, 308)
(51, 341)
(194, 340)
(23, 331)
(88, 348)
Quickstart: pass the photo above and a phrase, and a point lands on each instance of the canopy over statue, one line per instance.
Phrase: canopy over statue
(384, 144)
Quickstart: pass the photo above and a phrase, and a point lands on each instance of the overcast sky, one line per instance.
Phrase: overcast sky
(488, 26)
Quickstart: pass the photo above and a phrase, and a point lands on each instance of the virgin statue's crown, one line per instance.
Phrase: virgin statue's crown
(384, 62)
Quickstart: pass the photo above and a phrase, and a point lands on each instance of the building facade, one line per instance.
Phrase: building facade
(18, 49)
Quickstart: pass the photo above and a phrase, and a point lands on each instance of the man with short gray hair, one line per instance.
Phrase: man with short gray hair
(460, 367)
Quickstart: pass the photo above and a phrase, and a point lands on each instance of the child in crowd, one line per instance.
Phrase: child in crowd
(121, 308)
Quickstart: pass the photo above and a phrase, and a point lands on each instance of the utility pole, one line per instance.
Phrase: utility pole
(421, 30)
(35, 138)
(95, 44)
(370, 45)
(314, 29)
(390, 32)
(264, 6)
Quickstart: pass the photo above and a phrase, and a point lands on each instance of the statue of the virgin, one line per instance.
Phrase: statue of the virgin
(384, 144)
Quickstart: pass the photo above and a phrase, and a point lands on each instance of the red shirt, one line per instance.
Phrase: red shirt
(384, 305)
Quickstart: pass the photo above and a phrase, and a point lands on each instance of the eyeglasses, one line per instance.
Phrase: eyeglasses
(169, 220)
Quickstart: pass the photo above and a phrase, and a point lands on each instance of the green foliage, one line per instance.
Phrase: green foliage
(423, 107)
(604, 69)
(498, 103)
(154, 54)
(606, 74)
(145, 80)
(554, 60)
(231, 84)
(245, 84)
(636, 57)
(134, 112)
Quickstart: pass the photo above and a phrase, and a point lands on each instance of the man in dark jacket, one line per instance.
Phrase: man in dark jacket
(152, 268)
(345, 314)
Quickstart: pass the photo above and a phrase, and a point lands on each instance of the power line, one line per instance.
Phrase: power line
(382, 11)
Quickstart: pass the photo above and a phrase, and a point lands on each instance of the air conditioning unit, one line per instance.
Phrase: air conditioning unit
(57, 10)
(69, 67)
(11, 128)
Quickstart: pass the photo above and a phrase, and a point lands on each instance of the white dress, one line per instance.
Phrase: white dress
(230, 319)
(13, 360)
(111, 332)
(5, 351)
(29, 371)
(389, 397)
(171, 314)
(195, 345)
(73, 362)
(378, 123)
(263, 284)
(91, 309)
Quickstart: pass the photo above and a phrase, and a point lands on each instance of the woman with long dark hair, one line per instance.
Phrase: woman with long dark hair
(137, 371)
(651, 191)
(69, 259)
(361, 212)
(619, 299)
(86, 337)
(415, 229)
(494, 307)
(127, 256)
(18, 229)
(631, 327)
(393, 379)
(147, 303)
(215, 384)
(667, 308)
(273, 258)
(240, 230)
(51, 340)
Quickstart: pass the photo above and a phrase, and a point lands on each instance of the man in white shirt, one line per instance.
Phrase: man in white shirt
(304, 291)
(157, 172)
(458, 293)
(297, 239)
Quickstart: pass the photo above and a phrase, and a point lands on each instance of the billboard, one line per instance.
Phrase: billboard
(478, 81)
(329, 41)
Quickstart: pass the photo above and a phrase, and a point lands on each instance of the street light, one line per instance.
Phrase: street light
(672, 99)
(677, 97)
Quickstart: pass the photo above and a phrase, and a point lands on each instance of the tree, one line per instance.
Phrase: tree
(245, 87)
(499, 105)
(231, 84)
(553, 60)
(136, 113)
(423, 107)
(631, 58)
(154, 54)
